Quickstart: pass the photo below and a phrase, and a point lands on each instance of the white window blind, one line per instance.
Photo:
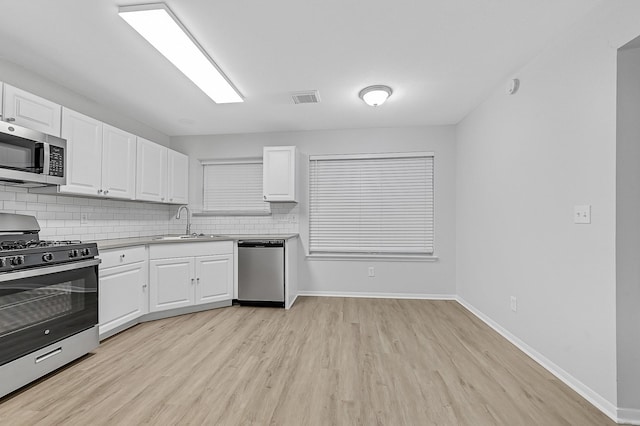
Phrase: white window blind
(371, 204)
(233, 187)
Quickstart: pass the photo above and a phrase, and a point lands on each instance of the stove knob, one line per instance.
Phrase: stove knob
(17, 260)
(85, 252)
(3, 262)
(73, 253)
(47, 257)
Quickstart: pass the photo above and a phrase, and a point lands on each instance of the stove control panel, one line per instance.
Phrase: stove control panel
(14, 259)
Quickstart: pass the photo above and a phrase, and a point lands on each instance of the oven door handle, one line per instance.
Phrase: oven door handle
(36, 272)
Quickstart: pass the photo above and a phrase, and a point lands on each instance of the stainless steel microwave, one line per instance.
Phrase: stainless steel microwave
(31, 158)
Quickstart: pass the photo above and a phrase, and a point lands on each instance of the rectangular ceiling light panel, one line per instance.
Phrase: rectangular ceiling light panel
(159, 26)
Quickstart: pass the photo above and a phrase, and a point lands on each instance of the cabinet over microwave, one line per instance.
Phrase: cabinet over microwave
(31, 158)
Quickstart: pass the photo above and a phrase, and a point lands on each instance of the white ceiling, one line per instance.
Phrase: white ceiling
(441, 57)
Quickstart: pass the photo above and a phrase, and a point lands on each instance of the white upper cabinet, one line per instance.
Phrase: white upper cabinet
(162, 174)
(31, 111)
(178, 178)
(101, 159)
(118, 163)
(151, 171)
(84, 148)
(279, 173)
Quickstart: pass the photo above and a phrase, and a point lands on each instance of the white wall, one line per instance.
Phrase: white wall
(340, 277)
(523, 162)
(32, 82)
(628, 231)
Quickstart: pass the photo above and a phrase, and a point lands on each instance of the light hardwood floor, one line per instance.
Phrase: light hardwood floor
(327, 361)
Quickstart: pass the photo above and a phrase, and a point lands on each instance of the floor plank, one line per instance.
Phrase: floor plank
(327, 361)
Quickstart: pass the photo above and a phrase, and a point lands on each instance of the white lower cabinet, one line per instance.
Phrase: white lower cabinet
(214, 278)
(123, 288)
(173, 283)
(203, 274)
(135, 282)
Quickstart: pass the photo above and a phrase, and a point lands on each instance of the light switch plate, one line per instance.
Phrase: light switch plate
(582, 214)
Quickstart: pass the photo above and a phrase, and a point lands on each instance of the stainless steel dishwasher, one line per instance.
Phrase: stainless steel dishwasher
(261, 272)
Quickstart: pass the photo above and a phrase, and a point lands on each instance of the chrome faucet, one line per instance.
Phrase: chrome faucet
(188, 218)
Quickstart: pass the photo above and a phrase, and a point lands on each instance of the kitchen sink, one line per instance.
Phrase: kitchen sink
(186, 237)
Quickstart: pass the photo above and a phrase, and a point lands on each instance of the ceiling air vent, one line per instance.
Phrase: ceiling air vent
(309, 97)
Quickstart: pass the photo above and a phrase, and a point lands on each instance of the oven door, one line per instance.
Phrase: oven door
(41, 306)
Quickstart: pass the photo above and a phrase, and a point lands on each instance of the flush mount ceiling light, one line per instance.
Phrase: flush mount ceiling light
(375, 95)
(160, 27)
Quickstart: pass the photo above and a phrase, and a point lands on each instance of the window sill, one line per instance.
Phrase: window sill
(370, 257)
(231, 213)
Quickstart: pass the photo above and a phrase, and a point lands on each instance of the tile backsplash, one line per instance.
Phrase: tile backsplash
(61, 217)
(79, 218)
(283, 220)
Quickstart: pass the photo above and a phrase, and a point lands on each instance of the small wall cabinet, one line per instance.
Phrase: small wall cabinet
(162, 175)
(279, 172)
(84, 149)
(203, 274)
(178, 177)
(123, 288)
(118, 163)
(31, 111)
(151, 171)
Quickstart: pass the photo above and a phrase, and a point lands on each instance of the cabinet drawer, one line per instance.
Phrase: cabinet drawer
(122, 256)
(165, 251)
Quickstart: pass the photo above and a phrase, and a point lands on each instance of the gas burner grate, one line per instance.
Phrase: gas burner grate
(17, 245)
(24, 244)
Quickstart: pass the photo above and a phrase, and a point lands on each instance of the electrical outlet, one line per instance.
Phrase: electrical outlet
(84, 218)
(293, 218)
(514, 303)
(372, 272)
(582, 214)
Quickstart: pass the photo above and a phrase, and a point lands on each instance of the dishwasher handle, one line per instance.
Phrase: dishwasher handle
(261, 243)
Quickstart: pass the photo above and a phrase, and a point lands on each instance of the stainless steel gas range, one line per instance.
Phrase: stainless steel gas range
(48, 301)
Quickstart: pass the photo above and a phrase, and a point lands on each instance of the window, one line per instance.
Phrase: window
(233, 187)
(371, 204)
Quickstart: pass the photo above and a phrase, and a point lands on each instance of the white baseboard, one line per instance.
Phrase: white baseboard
(379, 295)
(629, 416)
(586, 392)
(292, 302)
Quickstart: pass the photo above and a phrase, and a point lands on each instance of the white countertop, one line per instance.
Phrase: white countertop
(138, 241)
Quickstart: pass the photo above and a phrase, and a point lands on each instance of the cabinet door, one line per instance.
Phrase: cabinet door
(214, 278)
(178, 181)
(118, 163)
(278, 173)
(172, 283)
(83, 158)
(31, 111)
(123, 295)
(151, 171)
